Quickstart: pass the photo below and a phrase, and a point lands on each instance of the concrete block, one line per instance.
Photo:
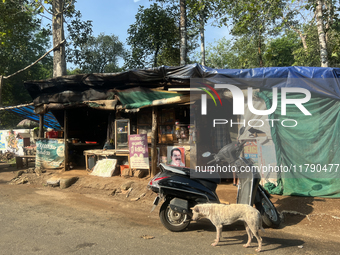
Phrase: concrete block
(67, 182)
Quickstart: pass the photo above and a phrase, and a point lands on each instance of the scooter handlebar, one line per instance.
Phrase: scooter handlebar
(211, 161)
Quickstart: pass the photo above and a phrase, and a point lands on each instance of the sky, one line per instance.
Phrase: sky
(115, 17)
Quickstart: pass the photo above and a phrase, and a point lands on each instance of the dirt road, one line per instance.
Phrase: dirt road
(88, 219)
(50, 221)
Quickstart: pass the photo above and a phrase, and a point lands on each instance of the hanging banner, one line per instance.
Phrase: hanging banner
(50, 153)
(139, 155)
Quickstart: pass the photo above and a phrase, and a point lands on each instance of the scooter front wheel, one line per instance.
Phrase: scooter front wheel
(173, 221)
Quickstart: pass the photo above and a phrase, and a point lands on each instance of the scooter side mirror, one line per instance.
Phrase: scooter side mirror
(206, 154)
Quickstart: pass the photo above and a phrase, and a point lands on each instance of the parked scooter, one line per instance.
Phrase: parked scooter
(182, 188)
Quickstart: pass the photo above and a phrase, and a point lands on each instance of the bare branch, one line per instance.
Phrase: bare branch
(45, 17)
(9, 76)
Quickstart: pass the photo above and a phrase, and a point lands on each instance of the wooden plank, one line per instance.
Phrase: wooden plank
(65, 140)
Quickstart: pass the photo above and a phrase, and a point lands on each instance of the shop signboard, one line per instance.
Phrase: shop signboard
(50, 153)
(139, 154)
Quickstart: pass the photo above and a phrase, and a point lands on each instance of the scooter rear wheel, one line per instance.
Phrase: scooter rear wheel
(270, 216)
(172, 220)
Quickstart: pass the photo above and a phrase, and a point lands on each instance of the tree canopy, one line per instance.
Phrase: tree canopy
(22, 41)
(99, 54)
(154, 34)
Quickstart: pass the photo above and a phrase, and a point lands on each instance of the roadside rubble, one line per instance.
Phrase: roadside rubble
(21, 178)
(117, 187)
(62, 182)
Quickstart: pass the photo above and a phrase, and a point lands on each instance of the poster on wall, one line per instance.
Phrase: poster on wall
(139, 154)
(50, 153)
(250, 150)
(3, 140)
(176, 156)
(10, 142)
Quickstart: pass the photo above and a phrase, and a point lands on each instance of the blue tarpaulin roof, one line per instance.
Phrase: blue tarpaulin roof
(324, 81)
(27, 111)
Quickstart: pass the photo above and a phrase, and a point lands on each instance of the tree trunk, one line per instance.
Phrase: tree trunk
(259, 50)
(59, 61)
(1, 84)
(155, 57)
(183, 49)
(202, 36)
(154, 137)
(321, 33)
(302, 37)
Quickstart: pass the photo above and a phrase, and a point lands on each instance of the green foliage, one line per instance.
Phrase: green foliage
(311, 55)
(79, 34)
(154, 35)
(256, 19)
(74, 71)
(233, 54)
(98, 54)
(219, 55)
(282, 50)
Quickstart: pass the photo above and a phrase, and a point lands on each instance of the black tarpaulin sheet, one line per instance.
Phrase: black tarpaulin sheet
(85, 87)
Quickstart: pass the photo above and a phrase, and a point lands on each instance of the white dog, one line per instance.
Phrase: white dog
(220, 214)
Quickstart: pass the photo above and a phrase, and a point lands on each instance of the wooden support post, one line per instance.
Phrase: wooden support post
(154, 142)
(41, 126)
(66, 163)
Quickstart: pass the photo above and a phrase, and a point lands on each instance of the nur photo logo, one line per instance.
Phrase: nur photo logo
(204, 98)
(238, 101)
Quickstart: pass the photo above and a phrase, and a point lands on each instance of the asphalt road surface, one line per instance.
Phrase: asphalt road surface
(53, 221)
